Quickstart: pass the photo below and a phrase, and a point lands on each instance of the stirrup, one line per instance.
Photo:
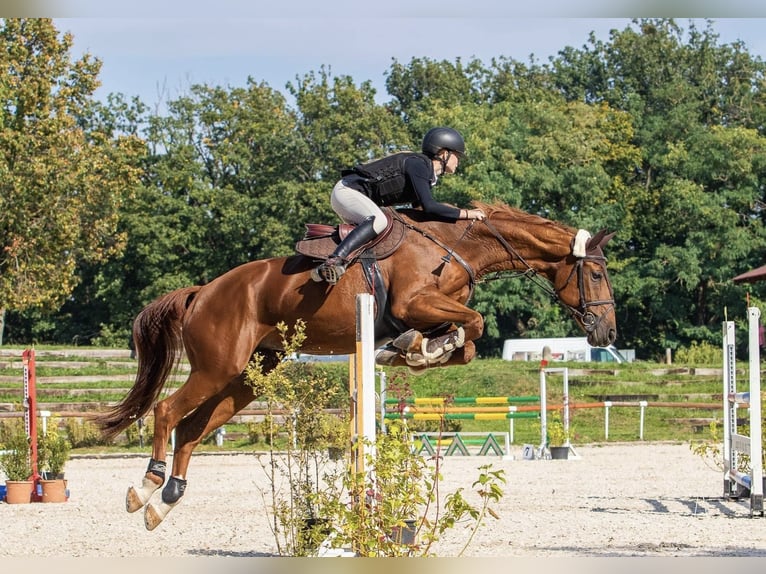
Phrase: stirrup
(332, 273)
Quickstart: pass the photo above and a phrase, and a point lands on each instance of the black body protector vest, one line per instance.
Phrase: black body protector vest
(384, 178)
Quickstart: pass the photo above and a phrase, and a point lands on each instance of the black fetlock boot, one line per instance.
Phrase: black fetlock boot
(335, 265)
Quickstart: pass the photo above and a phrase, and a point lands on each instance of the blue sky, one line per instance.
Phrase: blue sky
(157, 59)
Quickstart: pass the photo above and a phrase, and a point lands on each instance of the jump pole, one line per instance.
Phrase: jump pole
(734, 442)
(362, 383)
(30, 414)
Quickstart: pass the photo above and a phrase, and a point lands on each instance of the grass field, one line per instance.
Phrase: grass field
(87, 379)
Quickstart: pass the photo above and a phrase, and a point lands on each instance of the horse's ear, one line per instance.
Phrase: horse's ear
(600, 239)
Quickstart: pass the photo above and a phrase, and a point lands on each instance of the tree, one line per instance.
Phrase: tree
(61, 187)
(693, 216)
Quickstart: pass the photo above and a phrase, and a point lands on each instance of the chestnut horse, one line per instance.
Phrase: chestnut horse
(426, 284)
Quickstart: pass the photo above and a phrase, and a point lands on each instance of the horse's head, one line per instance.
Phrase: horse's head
(582, 285)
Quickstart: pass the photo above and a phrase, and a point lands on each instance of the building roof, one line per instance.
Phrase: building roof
(752, 276)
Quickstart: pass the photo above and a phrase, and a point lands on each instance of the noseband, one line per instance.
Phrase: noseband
(588, 319)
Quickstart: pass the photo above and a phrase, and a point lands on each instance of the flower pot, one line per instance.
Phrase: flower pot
(405, 534)
(19, 491)
(54, 490)
(559, 452)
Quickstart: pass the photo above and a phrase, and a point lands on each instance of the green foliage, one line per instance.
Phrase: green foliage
(83, 433)
(399, 489)
(134, 433)
(307, 495)
(700, 354)
(53, 449)
(61, 186)
(15, 461)
(710, 448)
(557, 434)
(299, 470)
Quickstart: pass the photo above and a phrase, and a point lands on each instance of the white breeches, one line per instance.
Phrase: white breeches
(354, 207)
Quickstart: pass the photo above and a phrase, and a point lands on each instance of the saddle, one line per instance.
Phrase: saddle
(320, 240)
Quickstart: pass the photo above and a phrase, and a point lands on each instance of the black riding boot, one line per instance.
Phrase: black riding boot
(335, 265)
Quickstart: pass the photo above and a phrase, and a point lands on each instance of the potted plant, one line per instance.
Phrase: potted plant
(15, 462)
(335, 431)
(558, 439)
(52, 454)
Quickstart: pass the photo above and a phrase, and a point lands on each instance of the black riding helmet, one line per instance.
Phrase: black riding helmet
(443, 138)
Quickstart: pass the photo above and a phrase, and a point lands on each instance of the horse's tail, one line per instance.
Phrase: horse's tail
(157, 339)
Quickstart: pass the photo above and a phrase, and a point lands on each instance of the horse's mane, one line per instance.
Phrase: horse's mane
(519, 215)
(496, 209)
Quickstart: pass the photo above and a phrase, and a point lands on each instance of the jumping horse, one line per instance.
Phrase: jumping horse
(422, 286)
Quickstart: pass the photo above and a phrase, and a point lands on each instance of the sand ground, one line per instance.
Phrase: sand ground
(616, 500)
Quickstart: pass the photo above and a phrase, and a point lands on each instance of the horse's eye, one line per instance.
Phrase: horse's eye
(596, 275)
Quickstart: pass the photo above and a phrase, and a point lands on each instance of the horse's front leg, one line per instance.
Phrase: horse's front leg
(430, 307)
(392, 357)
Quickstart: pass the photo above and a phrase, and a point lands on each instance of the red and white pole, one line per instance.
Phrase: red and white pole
(30, 414)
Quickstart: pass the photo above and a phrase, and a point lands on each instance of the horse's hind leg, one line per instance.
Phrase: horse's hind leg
(213, 413)
(167, 414)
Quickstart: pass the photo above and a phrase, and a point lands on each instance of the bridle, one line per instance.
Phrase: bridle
(582, 312)
(588, 319)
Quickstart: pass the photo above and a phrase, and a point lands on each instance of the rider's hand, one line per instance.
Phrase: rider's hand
(475, 214)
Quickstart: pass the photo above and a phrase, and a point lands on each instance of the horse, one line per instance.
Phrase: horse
(421, 287)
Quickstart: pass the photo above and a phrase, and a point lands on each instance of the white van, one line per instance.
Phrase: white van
(561, 348)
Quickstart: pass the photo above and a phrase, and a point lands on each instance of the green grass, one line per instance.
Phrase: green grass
(588, 382)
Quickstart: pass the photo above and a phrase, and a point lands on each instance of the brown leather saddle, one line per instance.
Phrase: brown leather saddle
(320, 240)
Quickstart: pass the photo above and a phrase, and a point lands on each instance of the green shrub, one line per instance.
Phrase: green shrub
(699, 354)
(83, 433)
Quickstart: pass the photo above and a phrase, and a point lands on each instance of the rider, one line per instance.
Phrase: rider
(404, 177)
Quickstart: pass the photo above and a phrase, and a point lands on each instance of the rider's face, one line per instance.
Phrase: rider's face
(452, 161)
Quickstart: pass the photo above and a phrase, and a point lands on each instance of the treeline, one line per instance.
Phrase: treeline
(657, 133)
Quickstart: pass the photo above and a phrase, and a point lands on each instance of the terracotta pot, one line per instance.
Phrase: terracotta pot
(19, 491)
(54, 490)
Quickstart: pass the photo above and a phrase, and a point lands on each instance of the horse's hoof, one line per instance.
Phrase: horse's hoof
(152, 517)
(387, 357)
(411, 339)
(433, 349)
(418, 361)
(415, 360)
(133, 501)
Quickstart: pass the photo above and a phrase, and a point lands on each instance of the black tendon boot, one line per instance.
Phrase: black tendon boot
(335, 265)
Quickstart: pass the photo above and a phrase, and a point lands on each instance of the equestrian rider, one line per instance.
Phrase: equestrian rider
(404, 177)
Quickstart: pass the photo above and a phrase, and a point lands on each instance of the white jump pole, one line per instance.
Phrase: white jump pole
(734, 442)
(363, 381)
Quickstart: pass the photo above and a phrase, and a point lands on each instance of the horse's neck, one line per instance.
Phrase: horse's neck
(531, 242)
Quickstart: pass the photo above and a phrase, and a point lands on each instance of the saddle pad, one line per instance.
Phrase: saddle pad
(321, 247)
